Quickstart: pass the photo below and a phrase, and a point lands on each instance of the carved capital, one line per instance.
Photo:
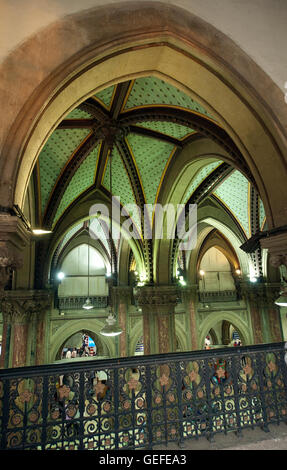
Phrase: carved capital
(277, 248)
(263, 295)
(22, 307)
(122, 293)
(13, 238)
(157, 299)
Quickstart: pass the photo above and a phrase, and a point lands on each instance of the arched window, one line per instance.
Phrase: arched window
(215, 272)
(85, 270)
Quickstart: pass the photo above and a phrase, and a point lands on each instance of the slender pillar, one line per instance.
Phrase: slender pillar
(23, 313)
(122, 299)
(157, 304)
(264, 313)
(190, 297)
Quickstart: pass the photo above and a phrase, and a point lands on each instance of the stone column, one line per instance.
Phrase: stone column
(265, 315)
(158, 304)
(190, 298)
(22, 311)
(121, 301)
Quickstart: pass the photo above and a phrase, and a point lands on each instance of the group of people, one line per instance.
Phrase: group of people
(83, 351)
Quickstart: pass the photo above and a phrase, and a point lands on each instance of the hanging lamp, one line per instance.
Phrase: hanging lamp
(111, 328)
(88, 304)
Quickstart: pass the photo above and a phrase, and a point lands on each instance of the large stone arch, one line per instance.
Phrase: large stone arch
(78, 214)
(71, 327)
(90, 50)
(233, 318)
(205, 226)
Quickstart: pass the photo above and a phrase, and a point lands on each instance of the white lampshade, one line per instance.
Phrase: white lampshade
(88, 304)
(111, 328)
(282, 300)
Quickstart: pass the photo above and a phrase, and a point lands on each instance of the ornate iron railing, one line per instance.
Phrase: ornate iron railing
(140, 402)
(218, 296)
(77, 302)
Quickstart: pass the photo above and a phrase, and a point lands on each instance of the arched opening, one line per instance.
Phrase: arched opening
(215, 272)
(84, 272)
(82, 345)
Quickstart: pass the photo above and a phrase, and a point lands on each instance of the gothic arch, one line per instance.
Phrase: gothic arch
(71, 327)
(232, 317)
(179, 47)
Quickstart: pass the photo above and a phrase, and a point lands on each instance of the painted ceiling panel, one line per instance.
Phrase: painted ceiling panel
(151, 156)
(261, 214)
(148, 91)
(105, 96)
(233, 192)
(55, 154)
(120, 183)
(82, 180)
(199, 177)
(78, 114)
(98, 232)
(71, 233)
(168, 128)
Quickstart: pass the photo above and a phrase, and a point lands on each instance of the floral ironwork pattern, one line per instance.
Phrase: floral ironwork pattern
(143, 401)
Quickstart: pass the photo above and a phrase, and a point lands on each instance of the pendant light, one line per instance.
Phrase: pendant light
(88, 304)
(282, 300)
(111, 328)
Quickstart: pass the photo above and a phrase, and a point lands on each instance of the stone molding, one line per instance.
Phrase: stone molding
(122, 292)
(277, 248)
(157, 299)
(24, 306)
(14, 236)
(263, 294)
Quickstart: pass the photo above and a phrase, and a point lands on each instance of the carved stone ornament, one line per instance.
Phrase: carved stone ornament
(20, 309)
(9, 261)
(159, 299)
(277, 249)
(263, 295)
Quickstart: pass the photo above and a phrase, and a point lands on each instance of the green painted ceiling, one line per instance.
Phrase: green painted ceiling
(151, 142)
(105, 96)
(151, 157)
(148, 91)
(234, 193)
(59, 148)
(82, 180)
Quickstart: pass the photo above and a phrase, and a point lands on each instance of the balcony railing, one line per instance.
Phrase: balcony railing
(76, 302)
(143, 401)
(218, 296)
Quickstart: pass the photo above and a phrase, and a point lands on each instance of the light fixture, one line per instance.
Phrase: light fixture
(60, 275)
(40, 231)
(111, 328)
(88, 304)
(201, 272)
(238, 271)
(282, 300)
(182, 281)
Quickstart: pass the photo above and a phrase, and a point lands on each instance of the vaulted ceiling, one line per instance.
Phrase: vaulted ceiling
(145, 123)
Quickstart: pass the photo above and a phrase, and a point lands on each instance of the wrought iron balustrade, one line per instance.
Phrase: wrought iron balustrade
(77, 302)
(218, 296)
(143, 401)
